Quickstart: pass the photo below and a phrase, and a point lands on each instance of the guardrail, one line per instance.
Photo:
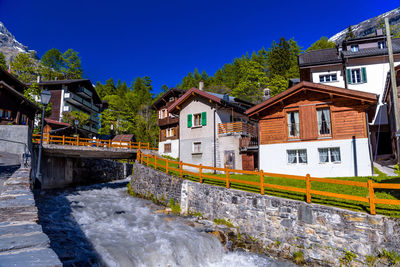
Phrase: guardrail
(79, 141)
(177, 166)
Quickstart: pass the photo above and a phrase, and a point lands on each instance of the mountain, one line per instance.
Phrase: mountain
(9, 46)
(369, 26)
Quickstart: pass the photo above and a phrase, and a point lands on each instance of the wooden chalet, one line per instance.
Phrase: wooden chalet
(15, 108)
(315, 129)
(168, 123)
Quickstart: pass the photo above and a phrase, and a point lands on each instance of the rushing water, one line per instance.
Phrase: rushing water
(102, 225)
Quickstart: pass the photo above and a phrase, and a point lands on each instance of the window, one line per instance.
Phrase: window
(331, 154)
(169, 132)
(328, 78)
(324, 121)
(197, 119)
(171, 99)
(297, 156)
(167, 148)
(6, 114)
(293, 124)
(196, 148)
(23, 119)
(354, 48)
(381, 45)
(358, 75)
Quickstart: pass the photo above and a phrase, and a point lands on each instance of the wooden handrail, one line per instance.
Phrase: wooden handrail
(308, 191)
(80, 141)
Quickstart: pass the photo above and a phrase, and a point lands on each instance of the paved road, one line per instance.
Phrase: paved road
(9, 163)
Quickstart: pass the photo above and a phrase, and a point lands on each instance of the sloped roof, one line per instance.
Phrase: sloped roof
(19, 95)
(320, 57)
(223, 100)
(367, 97)
(123, 137)
(54, 122)
(166, 95)
(12, 81)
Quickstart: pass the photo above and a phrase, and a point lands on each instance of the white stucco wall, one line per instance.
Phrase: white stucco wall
(174, 148)
(330, 69)
(274, 159)
(228, 143)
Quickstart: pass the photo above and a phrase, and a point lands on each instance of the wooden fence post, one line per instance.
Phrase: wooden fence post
(371, 197)
(109, 142)
(262, 182)
(166, 166)
(141, 157)
(227, 176)
(77, 140)
(148, 159)
(200, 173)
(180, 169)
(97, 142)
(130, 144)
(308, 188)
(48, 138)
(63, 142)
(155, 162)
(120, 143)
(139, 145)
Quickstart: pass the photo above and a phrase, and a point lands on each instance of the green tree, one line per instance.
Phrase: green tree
(70, 117)
(24, 67)
(72, 65)
(3, 63)
(164, 88)
(322, 43)
(349, 34)
(53, 59)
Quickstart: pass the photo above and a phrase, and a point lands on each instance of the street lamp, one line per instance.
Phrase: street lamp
(44, 100)
(76, 122)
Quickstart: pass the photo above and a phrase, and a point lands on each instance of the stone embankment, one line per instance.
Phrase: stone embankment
(22, 241)
(280, 227)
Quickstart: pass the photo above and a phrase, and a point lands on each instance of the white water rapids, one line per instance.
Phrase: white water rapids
(101, 225)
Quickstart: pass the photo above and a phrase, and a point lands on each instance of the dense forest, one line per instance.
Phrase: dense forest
(129, 107)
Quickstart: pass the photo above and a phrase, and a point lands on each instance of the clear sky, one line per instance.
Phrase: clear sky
(166, 39)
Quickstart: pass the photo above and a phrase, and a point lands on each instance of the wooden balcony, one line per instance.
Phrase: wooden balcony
(242, 128)
(168, 121)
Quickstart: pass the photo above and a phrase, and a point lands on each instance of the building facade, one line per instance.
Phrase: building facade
(74, 95)
(214, 131)
(169, 123)
(15, 108)
(315, 129)
(359, 64)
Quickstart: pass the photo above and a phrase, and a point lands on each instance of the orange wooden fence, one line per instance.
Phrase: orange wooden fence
(308, 191)
(79, 141)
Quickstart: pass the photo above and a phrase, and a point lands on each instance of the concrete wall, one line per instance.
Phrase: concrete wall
(174, 148)
(274, 159)
(60, 172)
(16, 139)
(283, 226)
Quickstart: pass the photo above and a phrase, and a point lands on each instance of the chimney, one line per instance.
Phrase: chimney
(38, 79)
(201, 85)
(379, 32)
(267, 94)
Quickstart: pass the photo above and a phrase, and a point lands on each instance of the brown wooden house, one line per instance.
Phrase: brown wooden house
(168, 123)
(15, 108)
(315, 129)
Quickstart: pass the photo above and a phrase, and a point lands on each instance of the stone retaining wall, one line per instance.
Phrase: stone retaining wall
(283, 226)
(22, 241)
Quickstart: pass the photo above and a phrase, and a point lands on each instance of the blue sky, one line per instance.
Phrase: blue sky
(166, 39)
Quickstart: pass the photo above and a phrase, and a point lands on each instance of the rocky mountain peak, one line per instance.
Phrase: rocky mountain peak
(9, 46)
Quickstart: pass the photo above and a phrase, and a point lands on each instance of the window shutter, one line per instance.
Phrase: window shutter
(189, 120)
(348, 74)
(204, 118)
(364, 75)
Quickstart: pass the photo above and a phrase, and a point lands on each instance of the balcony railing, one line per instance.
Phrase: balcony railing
(77, 100)
(168, 120)
(237, 127)
(84, 92)
(248, 143)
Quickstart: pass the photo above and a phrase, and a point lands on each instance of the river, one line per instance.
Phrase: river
(101, 225)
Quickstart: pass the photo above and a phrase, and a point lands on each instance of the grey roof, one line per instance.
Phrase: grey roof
(319, 57)
(367, 52)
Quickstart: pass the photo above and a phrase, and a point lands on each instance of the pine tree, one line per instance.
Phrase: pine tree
(3, 63)
(322, 43)
(24, 67)
(53, 59)
(349, 33)
(72, 65)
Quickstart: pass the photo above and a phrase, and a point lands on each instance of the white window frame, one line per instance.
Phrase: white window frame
(329, 149)
(328, 78)
(355, 80)
(194, 120)
(298, 158)
(169, 132)
(354, 48)
(381, 45)
(297, 124)
(197, 150)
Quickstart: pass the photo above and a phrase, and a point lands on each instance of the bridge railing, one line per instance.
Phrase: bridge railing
(79, 141)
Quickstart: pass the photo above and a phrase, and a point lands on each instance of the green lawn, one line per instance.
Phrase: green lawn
(391, 210)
